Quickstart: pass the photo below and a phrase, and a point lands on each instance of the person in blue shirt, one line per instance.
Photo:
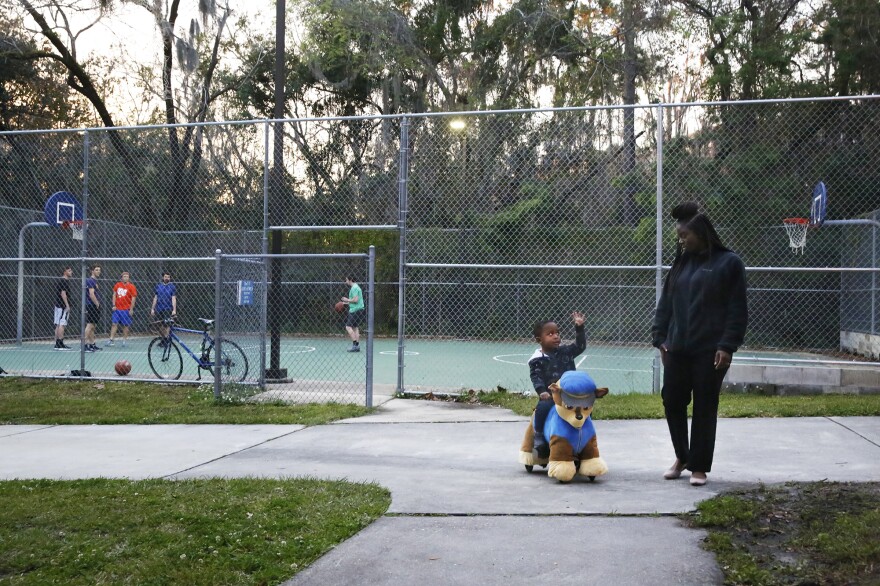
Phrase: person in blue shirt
(164, 302)
(700, 322)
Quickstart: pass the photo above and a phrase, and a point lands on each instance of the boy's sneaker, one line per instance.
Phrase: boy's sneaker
(541, 446)
(111, 343)
(63, 347)
(88, 348)
(354, 349)
(95, 348)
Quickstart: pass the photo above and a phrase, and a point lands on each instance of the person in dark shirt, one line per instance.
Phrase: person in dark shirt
(700, 322)
(93, 309)
(546, 366)
(62, 308)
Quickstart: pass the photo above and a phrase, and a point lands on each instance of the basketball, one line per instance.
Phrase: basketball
(340, 307)
(123, 367)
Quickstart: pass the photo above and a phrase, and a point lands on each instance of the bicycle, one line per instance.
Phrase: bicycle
(167, 362)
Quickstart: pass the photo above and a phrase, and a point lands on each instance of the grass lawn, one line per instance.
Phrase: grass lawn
(33, 401)
(241, 531)
(640, 406)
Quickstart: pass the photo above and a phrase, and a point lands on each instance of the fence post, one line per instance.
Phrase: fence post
(402, 203)
(874, 276)
(19, 321)
(218, 322)
(658, 276)
(371, 296)
(264, 248)
(85, 252)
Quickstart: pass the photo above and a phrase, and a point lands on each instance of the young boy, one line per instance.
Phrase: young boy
(547, 365)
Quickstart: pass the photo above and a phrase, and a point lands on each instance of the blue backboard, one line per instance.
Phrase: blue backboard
(62, 207)
(819, 205)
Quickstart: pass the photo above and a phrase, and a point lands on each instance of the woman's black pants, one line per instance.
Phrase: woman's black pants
(685, 375)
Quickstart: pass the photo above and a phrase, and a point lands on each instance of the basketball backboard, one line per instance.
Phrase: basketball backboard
(62, 207)
(819, 205)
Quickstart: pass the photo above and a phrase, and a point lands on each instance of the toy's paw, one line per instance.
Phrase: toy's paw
(532, 459)
(593, 467)
(561, 471)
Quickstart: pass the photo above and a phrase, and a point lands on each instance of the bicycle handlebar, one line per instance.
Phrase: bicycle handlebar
(170, 321)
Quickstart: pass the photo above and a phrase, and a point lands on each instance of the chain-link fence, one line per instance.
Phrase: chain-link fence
(483, 222)
(176, 319)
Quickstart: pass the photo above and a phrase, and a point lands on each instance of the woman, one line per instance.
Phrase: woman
(699, 323)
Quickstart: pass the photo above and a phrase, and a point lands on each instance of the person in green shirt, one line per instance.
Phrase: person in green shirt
(356, 312)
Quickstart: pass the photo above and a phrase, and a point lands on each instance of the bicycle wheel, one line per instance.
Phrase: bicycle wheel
(233, 363)
(165, 360)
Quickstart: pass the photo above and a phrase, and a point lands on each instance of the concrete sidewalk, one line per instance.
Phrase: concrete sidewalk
(463, 510)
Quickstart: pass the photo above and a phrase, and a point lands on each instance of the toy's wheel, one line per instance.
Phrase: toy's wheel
(592, 478)
(529, 468)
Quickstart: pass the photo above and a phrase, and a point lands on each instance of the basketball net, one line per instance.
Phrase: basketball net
(796, 228)
(76, 228)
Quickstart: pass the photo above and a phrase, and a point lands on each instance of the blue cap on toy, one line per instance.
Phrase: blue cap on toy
(578, 389)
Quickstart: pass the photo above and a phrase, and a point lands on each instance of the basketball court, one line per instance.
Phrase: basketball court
(318, 365)
(430, 365)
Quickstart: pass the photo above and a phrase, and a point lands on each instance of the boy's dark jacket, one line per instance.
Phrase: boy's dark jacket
(705, 308)
(545, 369)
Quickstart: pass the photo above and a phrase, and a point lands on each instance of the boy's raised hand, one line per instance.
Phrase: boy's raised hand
(578, 318)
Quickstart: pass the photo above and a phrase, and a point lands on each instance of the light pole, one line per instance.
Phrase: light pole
(275, 372)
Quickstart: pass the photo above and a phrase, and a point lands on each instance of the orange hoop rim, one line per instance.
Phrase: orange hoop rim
(72, 224)
(801, 221)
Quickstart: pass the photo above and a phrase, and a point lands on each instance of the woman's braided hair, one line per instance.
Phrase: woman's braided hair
(688, 215)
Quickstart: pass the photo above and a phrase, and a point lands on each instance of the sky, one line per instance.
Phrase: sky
(134, 27)
(131, 31)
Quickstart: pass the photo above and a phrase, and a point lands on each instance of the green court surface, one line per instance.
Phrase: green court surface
(449, 365)
(429, 364)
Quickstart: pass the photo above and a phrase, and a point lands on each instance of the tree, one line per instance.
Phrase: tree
(78, 76)
(851, 45)
(751, 45)
(198, 68)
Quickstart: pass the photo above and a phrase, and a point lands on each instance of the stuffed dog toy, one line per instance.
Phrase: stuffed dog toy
(569, 431)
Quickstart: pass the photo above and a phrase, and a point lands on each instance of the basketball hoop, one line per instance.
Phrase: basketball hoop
(76, 228)
(796, 228)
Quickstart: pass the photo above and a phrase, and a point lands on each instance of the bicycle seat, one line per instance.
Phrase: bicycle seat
(207, 322)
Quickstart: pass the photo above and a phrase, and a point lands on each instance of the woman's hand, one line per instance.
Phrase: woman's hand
(544, 396)
(722, 359)
(663, 351)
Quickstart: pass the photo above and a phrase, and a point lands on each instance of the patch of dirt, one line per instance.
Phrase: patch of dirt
(787, 517)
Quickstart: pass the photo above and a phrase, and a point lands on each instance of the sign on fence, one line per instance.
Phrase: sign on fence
(245, 292)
